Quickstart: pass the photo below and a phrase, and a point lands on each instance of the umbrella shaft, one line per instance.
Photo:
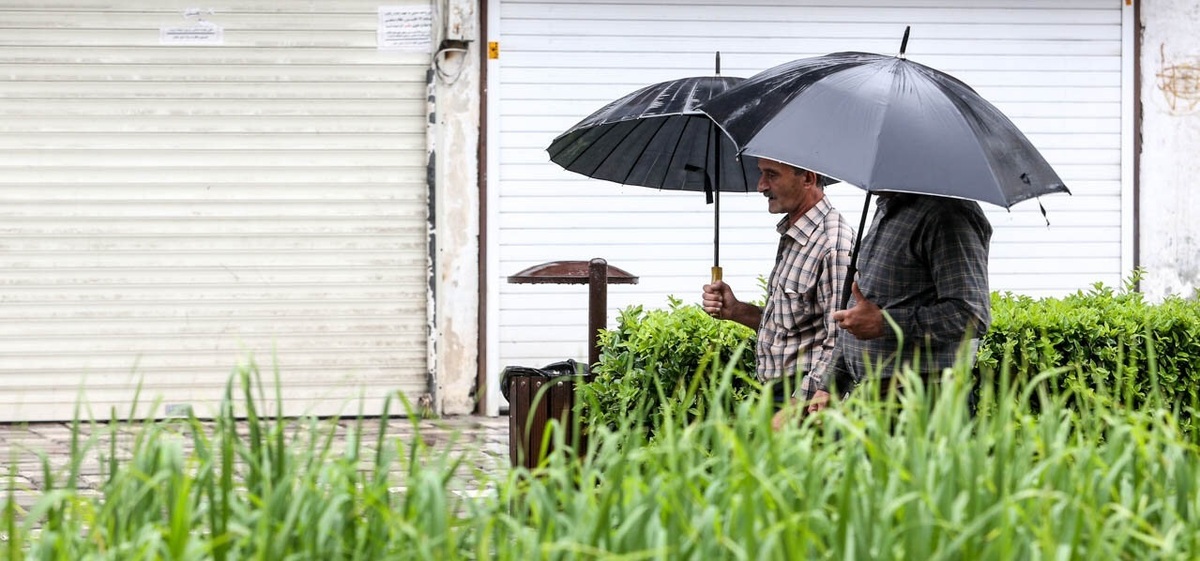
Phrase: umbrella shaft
(716, 228)
(853, 269)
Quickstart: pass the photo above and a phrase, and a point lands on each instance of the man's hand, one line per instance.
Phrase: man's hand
(791, 412)
(714, 297)
(819, 401)
(718, 300)
(795, 411)
(864, 320)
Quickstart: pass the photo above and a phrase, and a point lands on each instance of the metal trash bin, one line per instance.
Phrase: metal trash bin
(535, 396)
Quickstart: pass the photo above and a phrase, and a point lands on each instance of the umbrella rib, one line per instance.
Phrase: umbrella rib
(740, 159)
(604, 135)
(661, 122)
(985, 154)
(580, 154)
(710, 154)
(978, 140)
(678, 141)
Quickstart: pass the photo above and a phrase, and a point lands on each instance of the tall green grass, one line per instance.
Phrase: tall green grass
(919, 479)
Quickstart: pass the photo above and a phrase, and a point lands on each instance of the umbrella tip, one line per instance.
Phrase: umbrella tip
(718, 63)
(904, 41)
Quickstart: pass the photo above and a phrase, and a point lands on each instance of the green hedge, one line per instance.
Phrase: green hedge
(650, 360)
(1108, 342)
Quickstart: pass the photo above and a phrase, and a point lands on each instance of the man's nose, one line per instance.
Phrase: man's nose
(762, 185)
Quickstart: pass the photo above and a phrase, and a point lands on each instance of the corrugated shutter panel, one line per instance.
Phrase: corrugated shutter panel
(1054, 67)
(166, 212)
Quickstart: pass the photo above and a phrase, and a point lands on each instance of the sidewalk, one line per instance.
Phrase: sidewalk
(22, 447)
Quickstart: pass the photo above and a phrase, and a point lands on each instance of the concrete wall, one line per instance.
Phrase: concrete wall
(1170, 166)
(455, 212)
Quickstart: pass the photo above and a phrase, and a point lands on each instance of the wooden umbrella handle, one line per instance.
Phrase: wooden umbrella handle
(716, 274)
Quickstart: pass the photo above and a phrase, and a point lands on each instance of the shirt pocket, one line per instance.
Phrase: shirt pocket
(793, 307)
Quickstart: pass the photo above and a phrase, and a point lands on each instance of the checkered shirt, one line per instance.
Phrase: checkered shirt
(796, 333)
(925, 263)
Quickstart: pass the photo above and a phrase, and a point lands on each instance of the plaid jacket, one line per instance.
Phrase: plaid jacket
(796, 333)
(925, 263)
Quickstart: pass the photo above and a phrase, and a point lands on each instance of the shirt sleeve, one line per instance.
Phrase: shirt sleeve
(836, 264)
(831, 370)
(837, 375)
(956, 247)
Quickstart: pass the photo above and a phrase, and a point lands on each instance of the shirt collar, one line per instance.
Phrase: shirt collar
(894, 201)
(808, 223)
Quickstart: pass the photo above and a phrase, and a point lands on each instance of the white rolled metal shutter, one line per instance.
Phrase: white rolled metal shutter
(168, 212)
(1055, 67)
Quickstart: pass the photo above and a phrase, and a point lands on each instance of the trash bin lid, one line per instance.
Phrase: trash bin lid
(568, 272)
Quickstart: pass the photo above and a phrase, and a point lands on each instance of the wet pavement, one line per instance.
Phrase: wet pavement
(27, 448)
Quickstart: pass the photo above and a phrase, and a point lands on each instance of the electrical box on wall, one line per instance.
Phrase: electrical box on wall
(460, 21)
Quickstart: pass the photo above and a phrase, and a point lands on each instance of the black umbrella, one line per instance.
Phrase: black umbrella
(655, 137)
(884, 123)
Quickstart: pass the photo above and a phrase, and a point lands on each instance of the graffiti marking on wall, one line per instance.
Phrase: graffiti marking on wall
(1180, 83)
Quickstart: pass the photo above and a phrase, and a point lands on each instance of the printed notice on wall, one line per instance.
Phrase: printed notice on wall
(197, 31)
(405, 28)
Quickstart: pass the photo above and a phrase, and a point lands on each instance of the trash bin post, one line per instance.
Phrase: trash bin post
(597, 307)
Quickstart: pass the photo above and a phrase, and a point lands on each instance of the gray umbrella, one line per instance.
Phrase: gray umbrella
(655, 137)
(884, 123)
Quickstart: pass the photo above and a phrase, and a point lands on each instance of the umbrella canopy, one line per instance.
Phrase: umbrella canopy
(884, 123)
(655, 137)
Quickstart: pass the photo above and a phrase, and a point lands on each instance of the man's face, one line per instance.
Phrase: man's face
(788, 190)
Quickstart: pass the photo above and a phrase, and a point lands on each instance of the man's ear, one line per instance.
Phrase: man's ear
(810, 177)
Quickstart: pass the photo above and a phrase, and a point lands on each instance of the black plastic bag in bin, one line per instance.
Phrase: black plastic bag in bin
(553, 370)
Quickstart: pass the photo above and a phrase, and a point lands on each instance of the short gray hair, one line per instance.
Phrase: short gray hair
(823, 181)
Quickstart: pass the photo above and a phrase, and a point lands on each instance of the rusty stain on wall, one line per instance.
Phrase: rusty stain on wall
(1179, 82)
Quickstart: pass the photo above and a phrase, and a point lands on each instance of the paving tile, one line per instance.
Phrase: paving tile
(482, 442)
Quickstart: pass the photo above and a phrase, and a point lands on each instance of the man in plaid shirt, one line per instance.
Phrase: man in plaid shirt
(796, 333)
(924, 262)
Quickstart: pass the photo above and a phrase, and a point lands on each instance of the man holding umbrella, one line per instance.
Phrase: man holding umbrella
(796, 333)
(925, 264)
